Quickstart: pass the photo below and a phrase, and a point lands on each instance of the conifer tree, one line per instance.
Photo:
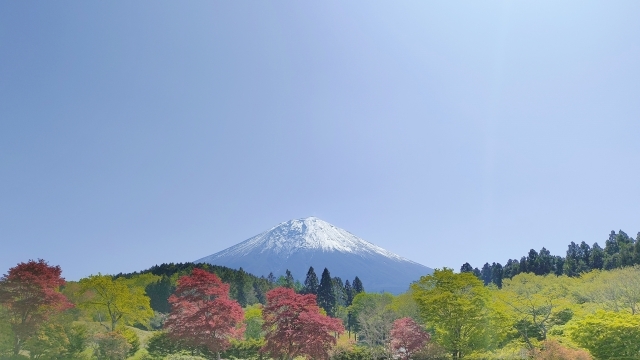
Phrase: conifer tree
(348, 290)
(271, 278)
(497, 273)
(288, 280)
(357, 286)
(466, 267)
(326, 296)
(597, 257)
(485, 274)
(311, 282)
(339, 291)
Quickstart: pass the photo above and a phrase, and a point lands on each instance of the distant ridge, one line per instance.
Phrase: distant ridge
(298, 244)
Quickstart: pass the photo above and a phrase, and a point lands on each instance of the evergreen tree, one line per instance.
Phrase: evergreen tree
(597, 257)
(357, 286)
(485, 274)
(271, 278)
(585, 256)
(348, 290)
(558, 265)
(571, 260)
(339, 291)
(311, 282)
(544, 262)
(524, 268)
(636, 250)
(466, 267)
(288, 280)
(326, 297)
(532, 261)
(238, 288)
(497, 272)
(511, 269)
(158, 293)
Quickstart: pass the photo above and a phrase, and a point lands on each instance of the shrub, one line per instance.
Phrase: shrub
(553, 350)
(111, 346)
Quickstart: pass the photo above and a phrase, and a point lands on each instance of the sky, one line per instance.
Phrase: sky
(137, 133)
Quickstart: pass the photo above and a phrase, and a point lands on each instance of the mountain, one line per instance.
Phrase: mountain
(298, 244)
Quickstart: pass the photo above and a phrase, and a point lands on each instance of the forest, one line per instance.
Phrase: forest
(582, 306)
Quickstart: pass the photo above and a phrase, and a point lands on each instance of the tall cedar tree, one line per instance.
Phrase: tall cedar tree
(294, 326)
(202, 315)
(407, 337)
(311, 282)
(326, 295)
(288, 280)
(357, 286)
(348, 290)
(30, 293)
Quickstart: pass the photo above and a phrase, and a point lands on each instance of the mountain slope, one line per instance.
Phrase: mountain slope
(298, 244)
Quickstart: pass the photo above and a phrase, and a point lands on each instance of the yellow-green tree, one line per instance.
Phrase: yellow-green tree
(608, 335)
(120, 302)
(253, 321)
(456, 306)
(535, 303)
(618, 290)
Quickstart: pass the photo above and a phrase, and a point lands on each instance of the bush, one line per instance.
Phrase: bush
(111, 346)
(351, 353)
(245, 349)
(431, 351)
(553, 350)
(132, 339)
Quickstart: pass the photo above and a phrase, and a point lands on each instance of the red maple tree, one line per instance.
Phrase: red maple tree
(30, 293)
(294, 326)
(202, 314)
(407, 337)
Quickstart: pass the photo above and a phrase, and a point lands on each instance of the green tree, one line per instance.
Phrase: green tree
(374, 317)
(608, 335)
(455, 305)
(326, 295)
(357, 286)
(618, 290)
(532, 302)
(58, 338)
(115, 300)
(287, 280)
(311, 282)
(253, 321)
(159, 292)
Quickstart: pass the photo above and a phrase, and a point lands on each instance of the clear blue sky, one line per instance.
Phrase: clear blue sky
(136, 133)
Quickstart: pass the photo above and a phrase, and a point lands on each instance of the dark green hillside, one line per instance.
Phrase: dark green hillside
(246, 288)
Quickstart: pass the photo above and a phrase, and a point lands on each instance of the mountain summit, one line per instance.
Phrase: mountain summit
(298, 244)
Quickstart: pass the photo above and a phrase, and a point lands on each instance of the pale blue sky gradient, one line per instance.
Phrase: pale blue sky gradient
(136, 133)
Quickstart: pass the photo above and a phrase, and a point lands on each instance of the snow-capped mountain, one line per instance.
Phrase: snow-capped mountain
(298, 244)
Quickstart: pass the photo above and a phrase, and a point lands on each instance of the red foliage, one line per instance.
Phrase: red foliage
(407, 337)
(202, 314)
(30, 293)
(294, 326)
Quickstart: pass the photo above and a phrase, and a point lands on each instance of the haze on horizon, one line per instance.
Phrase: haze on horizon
(137, 133)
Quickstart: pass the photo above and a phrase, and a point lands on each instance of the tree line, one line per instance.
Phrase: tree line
(620, 251)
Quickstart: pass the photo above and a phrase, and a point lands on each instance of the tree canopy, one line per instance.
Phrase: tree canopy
(117, 300)
(295, 327)
(202, 314)
(30, 293)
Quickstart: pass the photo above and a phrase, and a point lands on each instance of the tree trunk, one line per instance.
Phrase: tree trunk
(218, 355)
(16, 345)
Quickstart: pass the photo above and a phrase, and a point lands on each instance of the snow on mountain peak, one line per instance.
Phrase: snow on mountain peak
(303, 234)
